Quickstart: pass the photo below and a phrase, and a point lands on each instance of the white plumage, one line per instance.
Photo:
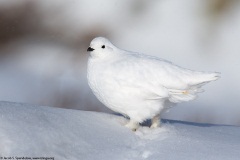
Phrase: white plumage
(137, 85)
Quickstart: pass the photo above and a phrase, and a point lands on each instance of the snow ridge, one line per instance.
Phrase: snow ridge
(27, 130)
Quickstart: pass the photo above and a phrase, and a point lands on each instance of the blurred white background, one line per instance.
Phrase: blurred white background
(43, 46)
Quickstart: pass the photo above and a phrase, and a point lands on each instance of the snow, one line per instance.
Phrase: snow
(39, 131)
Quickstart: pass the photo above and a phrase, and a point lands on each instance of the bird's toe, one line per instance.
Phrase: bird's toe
(132, 125)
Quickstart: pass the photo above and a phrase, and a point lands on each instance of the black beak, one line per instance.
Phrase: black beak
(90, 49)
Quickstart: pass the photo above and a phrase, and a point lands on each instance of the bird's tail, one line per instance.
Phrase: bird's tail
(195, 85)
(202, 78)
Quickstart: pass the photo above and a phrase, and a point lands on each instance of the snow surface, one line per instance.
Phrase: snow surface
(27, 130)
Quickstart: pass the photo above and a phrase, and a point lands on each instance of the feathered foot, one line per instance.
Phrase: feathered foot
(156, 122)
(133, 125)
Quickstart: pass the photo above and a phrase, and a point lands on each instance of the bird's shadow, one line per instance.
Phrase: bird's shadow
(167, 121)
(148, 122)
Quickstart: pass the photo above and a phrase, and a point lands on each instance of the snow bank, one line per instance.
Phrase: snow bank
(34, 131)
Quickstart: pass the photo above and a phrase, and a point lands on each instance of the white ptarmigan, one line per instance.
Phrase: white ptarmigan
(137, 85)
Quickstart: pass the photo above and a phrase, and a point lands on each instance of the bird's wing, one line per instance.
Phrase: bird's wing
(151, 77)
(155, 72)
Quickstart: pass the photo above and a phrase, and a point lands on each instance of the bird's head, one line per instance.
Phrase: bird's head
(101, 47)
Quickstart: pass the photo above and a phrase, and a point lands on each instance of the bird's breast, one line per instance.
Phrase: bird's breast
(99, 80)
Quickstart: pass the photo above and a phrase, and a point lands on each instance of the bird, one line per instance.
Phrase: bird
(137, 85)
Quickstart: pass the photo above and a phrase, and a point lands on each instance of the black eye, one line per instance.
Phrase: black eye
(103, 46)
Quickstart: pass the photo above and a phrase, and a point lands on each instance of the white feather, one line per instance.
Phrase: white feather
(138, 85)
